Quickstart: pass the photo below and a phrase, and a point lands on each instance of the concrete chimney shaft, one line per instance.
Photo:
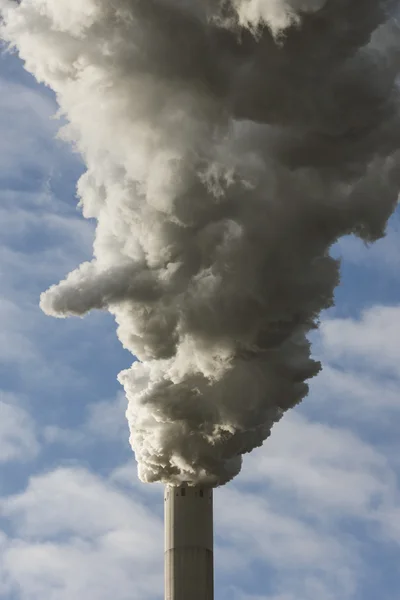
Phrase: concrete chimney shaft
(189, 562)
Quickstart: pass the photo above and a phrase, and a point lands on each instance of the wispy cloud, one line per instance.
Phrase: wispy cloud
(281, 552)
(18, 435)
(107, 419)
(26, 129)
(372, 340)
(323, 468)
(75, 535)
(104, 421)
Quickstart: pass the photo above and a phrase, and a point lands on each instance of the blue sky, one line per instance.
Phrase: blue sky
(315, 514)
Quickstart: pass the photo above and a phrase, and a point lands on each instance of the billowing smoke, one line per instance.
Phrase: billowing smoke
(228, 145)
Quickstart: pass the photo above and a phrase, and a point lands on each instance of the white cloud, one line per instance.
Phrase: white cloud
(106, 419)
(360, 378)
(18, 439)
(372, 340)
(324, 468)
(357, 395)
(76, 502)
(125, 477)
(53, 434)
(308, 589)
(358, 388)
(70, 231)
(23, 352)
(75, 535)
(300, 555)
(38, 244)
(26, 128)
(75, 570)
(15, 344)
(265, 534)
(39, 241)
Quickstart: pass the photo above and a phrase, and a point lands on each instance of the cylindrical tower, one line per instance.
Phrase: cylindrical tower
(189, 563)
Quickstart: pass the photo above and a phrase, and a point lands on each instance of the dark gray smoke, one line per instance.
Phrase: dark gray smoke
(228, 145)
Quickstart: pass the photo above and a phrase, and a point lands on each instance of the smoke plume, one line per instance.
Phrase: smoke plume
(228, 144)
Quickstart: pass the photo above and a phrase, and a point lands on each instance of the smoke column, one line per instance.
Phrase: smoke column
(228, 144)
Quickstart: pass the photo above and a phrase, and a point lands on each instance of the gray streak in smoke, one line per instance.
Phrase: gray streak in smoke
(228, 145)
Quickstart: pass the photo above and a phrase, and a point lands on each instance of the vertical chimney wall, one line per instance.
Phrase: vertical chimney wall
(189, 568)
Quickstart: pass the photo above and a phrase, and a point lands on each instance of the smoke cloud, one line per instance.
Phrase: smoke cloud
(228, 145)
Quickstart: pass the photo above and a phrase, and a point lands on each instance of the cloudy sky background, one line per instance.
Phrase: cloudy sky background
(315, 514)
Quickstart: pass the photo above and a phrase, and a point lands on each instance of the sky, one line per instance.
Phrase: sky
(314, 514)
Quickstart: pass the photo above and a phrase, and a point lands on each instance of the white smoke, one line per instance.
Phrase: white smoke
(277, 15)
(221, 167)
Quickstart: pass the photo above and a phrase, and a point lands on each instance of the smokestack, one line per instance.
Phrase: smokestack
(189, 571)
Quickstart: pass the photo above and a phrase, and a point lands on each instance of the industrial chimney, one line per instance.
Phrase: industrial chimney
(189, 569)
